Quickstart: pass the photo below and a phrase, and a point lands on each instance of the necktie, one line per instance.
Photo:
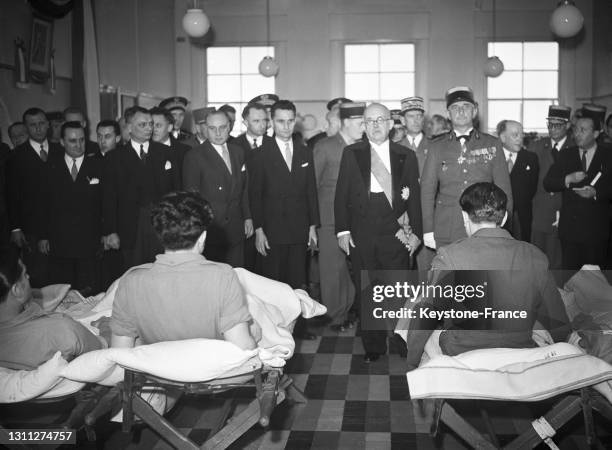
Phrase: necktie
(143, 155)
(555, 151)
(583, 160)
(288, 156)
(411, 142)
(74, 171)
(226, 158)
(43, 153)
(254, 146)
(510, 163)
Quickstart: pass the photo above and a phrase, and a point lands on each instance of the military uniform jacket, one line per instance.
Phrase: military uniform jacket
(205, 171)
(583, 220)
(546, 204)
(71, 210)
(326, 155)
(353, 189)
(446, 175)
(283, 202)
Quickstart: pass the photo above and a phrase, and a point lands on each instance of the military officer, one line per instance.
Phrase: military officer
(456, 160)
(177, 106)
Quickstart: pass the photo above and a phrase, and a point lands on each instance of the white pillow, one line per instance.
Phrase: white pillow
(22, 385)
(190, 360)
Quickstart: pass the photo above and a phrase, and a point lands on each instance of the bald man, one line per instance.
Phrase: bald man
(378, 186)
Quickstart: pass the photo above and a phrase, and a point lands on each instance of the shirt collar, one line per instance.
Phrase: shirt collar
(68, 160)
(136, 146)
(560, 143)
(167, 142)
(257, 139)
(381, 148)
(173, 259)
(283, 144)
(36, 145)
(590, 150)
(467, 133)
(217, 147)
(510, 154)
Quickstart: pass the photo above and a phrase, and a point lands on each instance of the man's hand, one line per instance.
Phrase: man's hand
(43, 246)
(345, 242)
(429, 241)
(248, 228)
(413, 242)
(112, 241)
(312, 237)
(585, 191)
(574, 177)
(261, 242)
(18, 238)
(403, 237)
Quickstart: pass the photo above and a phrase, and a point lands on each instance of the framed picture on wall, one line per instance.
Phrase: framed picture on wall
(41, 42)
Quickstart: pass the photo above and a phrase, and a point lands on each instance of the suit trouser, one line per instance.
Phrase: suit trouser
(337, 290)
(550, 244)
(110, 267)
(378, 256)
(576, 254)
(37, 263)
(287, 263)
(78, 272)
(251, 261)
(232, 254)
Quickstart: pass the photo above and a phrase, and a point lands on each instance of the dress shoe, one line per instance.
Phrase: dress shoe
(338, 328)
(371, 357)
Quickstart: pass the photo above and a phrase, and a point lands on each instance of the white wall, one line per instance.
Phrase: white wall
(450, 38)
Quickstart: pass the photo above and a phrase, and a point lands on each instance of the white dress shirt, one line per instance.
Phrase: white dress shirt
(36, 146)
(136, 147)
(416, 140)
(511, 155)
(559, 144)
(68, 159)
(282, 145)
(257, 140)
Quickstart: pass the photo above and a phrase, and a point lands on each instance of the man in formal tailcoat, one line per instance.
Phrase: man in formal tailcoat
(377, 212)
(70, 225)
(136, 175)
(524, 168)
(217, 170)
(25, 169)
(547, 205)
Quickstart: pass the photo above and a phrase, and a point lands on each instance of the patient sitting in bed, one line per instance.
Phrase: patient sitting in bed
(512, 276)
(29, 335)
(181, 295)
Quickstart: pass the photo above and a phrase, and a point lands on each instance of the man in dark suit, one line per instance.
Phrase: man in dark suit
(283, 199)
(70, 212)
(255, 118)
(216, 169)
(524, 169)
(162, 126)
(377, 214)
(108, 135)
(230, 112)
(584, 175)
(547, 205)
(25, 169)
(199, 120)
(177, 106)
(136, 175)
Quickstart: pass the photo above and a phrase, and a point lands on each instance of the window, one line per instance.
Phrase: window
(233, 77)
(528, 85)
(379, 73)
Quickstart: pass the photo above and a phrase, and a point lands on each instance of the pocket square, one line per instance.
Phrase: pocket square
(527, 168)
(94, 181)
(243, 168)
(168, 165)
(305, 164)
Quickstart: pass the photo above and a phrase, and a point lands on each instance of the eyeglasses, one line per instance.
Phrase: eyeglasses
(378, 121)
(555, 124)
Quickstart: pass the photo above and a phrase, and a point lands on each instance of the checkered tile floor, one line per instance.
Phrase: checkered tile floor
(351, 405)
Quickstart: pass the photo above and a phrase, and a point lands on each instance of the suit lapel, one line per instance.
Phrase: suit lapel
(277, 156)
(364, 162)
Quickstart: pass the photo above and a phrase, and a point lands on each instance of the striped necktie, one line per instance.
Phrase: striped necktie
(74, 172)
